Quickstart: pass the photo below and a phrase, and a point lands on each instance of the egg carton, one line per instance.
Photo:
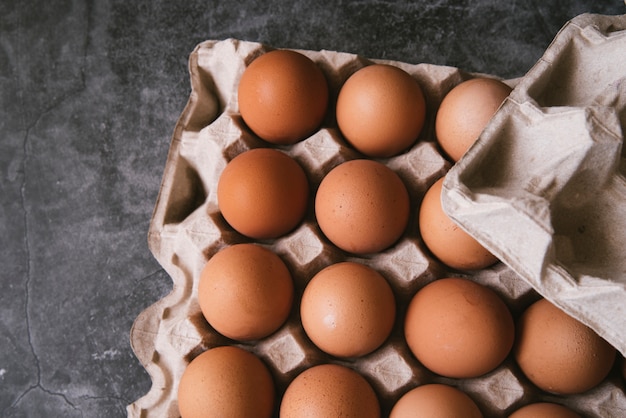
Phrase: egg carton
(187, 229)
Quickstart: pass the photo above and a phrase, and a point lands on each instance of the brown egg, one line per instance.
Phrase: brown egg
(445, 239)
(465, 112)
(245, 292)
(381, 110)
(283, 96)
(362, 206)
(226, 382)
(458, 328)
(263, 193)
(558, 353)
(435, 401)
(544, 410)
(329, 391)
(348, 309)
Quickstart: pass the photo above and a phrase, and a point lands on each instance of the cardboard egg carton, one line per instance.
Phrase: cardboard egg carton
(187, 229)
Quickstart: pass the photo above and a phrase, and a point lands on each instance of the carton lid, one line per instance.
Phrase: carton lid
(543, 188)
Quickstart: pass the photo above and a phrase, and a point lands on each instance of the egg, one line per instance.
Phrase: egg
(362, 206)
(329, 391)
(445, 239)
(245, 292)
(435, 401)
(263, 193)
(226, 381)
(558, 353)
(465, 112)
(544, 410)
(458, 328)
(381, 110)
(348, 309)
(283, 96)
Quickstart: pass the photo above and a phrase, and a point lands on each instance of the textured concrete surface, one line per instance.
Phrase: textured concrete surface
(90, 93)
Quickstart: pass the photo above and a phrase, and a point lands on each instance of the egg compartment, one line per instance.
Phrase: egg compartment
(544, 189)
(187, 228)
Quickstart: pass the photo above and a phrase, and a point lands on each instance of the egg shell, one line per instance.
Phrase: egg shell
(381, 110)
(465, 112)
(445, 239)
(226, 381)
(558, 353)
(458, 328)
(435, 401)
(283, 96)
(329, 391)
(263, 193)
(544, 410)
(348, 309)
(245, 292)
(362, 206)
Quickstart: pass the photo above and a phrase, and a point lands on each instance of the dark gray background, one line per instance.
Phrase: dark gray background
(90, 94)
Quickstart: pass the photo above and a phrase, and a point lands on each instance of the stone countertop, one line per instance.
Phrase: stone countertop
(91, 92)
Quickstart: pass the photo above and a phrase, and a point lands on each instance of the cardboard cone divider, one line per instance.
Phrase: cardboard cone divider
(543, 189)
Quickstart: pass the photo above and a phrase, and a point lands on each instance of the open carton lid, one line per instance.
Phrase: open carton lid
(543, 188)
